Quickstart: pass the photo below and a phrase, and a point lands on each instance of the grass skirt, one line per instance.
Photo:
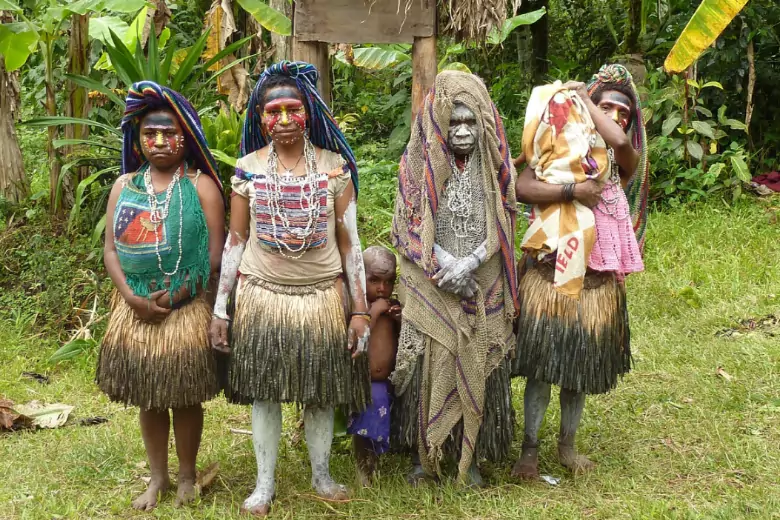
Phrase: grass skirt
(498, 422)
(289, 344)
(158, 366)
(582, 345)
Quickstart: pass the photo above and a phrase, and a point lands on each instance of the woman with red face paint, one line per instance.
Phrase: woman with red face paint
(584, 345)
(300, 319)
(164, 234)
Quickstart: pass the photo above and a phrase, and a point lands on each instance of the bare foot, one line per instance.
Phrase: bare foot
(148, 500)
(473, 478)
(364, 476)
(573, 461)
(258, 510)
(416, 476)
(185, 493)
(527, 465)
(330, 490)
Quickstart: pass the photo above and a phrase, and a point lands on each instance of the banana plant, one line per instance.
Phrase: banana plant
(704, 27)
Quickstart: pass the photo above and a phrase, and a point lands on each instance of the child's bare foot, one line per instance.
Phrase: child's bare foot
(185, 493)
(365, 460)
(148, 500)
(573, 461)
(527, 465)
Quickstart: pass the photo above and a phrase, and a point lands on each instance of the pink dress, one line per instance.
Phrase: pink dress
(616, 248)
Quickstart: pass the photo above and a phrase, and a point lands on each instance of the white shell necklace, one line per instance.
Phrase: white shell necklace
(309, 199)
(158, 212)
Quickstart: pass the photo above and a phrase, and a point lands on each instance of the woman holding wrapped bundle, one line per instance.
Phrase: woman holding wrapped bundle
(583, 145)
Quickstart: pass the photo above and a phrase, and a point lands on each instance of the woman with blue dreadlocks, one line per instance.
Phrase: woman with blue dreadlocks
(164, 233)
(300, 319)
(587, 177)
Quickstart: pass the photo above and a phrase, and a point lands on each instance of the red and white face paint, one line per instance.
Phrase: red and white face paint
(285, 119)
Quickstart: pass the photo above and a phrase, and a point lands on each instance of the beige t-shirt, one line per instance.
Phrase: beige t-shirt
(315, 265)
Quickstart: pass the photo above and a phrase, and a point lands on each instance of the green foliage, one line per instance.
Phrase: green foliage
(267, 16)
(223, 133)
(695, 153)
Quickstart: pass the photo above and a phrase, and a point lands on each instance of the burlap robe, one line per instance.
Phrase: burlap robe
(562, 146)
(467, 338)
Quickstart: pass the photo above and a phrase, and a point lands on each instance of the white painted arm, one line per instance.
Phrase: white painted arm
(231, 259)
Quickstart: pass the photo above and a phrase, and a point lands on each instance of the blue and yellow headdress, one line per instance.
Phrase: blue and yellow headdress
(324, 130)
(148, 95)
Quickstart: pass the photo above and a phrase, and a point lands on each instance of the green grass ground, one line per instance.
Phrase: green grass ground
(675, 440)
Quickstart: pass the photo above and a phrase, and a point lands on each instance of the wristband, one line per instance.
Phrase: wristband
(365, 315)
(568, 192)
(218, 317)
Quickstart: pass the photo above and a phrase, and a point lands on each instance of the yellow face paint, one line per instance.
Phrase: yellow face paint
(285, 120)
(158, 140)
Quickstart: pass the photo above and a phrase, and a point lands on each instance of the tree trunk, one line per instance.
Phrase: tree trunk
(282, 44)
(13, 182)
(55, 166)
(540, 34)
(316, 53)
(633, 26)
(77, 100)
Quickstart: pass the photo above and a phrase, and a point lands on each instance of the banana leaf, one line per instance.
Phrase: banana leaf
(704, 27)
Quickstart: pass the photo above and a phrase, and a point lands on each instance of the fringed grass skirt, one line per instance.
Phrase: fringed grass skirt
(498, 422)
(582, 345)
(158, 366)
(289, 344)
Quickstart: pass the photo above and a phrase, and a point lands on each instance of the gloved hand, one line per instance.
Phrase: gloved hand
(458, 276)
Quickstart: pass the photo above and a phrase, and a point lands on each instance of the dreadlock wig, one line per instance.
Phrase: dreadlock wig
(145, 96)
(324, 131)
(617, 77)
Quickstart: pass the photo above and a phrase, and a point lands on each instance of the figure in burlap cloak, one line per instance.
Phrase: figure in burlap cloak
(454, 227)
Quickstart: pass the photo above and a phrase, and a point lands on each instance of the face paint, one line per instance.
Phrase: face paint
(617, 106)
(284, 115)
(162, 139)
(462, 134)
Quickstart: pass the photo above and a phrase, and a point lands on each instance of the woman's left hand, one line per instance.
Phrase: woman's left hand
(358, 335)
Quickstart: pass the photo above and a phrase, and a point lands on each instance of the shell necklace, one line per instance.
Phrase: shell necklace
(158, 211)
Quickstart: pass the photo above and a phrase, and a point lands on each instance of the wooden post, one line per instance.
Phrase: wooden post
(315, 53)
(424, 67)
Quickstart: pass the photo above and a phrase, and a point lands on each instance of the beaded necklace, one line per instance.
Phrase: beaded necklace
(309, 199)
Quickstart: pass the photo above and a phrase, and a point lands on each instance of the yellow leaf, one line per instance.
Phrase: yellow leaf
(713, 148)
(709, 20)
(220, 19)
(364, 109)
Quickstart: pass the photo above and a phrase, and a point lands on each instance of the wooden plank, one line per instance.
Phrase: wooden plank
(424, 67)
(364, 21)
(315, 53)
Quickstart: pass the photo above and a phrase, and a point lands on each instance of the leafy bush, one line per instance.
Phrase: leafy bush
(694, 152)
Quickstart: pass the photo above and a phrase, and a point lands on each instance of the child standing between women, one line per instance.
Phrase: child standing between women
(371, 429)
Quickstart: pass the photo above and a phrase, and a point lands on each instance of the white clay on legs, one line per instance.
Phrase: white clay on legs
(266, 431)
(318, 423)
